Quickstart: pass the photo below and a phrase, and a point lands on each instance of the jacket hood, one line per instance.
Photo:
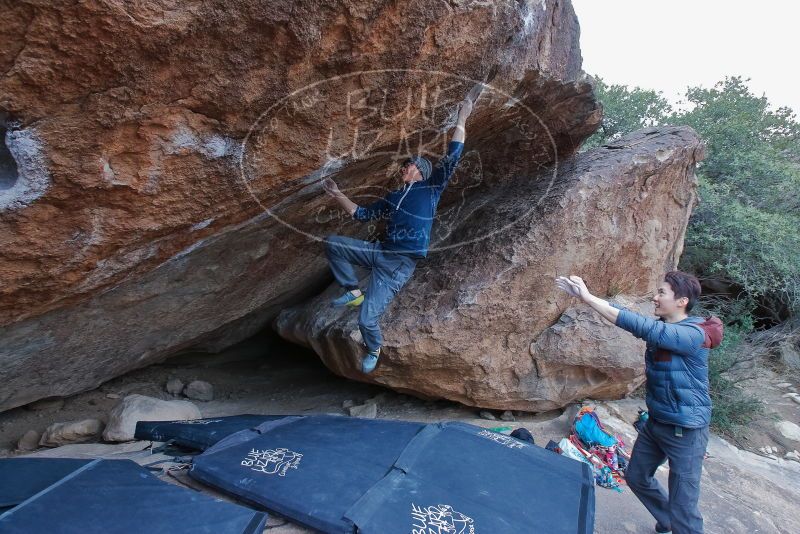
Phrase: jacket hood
(713, 329)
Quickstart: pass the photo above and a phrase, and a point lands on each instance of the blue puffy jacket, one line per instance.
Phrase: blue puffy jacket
(676, 366)
(410, 210)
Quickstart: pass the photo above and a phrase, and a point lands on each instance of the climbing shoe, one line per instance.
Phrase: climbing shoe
(349, 299)
(370, 361)
(663, 530)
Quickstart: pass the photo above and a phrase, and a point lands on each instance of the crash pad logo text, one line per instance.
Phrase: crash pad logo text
(197, 421)
(511, 443)
(440, 519)
(272, 461)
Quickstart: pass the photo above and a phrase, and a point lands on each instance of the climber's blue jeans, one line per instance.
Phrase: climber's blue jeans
(390, 272)
(656, 443)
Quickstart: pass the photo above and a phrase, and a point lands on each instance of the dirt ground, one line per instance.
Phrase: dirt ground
(743, 491)
(773, 384)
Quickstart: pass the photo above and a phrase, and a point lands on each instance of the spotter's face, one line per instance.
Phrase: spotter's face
(665, 302)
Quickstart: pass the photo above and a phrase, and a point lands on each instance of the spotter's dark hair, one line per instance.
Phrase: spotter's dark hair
(684, 285)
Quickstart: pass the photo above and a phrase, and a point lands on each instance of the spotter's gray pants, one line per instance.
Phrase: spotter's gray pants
(678, 509)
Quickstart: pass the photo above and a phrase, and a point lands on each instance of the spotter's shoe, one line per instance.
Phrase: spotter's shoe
(349, 299)
(370, 361)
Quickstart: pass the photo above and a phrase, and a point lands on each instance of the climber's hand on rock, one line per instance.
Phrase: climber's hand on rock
(566, 286)
(579, 286)
(574, 285)
(330, 187)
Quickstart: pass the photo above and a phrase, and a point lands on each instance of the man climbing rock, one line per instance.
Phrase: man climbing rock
(409, 212)
(678, 401)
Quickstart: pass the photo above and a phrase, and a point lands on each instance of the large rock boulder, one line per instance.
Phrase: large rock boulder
(160, 161)
(481, 322)
(83, 431)
(134, 408)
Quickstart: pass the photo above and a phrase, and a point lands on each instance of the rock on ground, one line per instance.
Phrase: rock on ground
(507, 416)
(72, 432)
(199, 390)
(481, 322)
(124, 416)
(174, 386)
(789, 430)
(29, 441)
(131, 232)
(367, 410)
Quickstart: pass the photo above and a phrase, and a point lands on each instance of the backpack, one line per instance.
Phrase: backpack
(587, 426)
(712, 330)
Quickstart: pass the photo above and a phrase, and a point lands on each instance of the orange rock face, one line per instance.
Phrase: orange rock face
(160, 161)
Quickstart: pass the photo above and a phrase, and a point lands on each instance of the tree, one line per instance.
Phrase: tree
(626, 110)
(745, 228)
(752, 149)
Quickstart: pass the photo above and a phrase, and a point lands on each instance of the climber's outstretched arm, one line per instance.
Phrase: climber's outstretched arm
(463, 112)
(682, 339)
(445, 167)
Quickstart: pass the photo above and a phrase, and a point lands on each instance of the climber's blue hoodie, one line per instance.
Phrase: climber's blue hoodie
(410, 210)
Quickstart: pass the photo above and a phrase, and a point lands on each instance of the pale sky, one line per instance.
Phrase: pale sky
(667, 45)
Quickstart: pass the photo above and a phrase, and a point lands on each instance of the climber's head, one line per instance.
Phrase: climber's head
(677, 295)
(414, 169)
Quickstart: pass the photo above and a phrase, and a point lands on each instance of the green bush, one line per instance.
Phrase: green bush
(626, 110)
(756, 249)
(745, 229)
(732, 407)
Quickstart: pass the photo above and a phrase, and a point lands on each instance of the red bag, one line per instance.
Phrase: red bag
(712, 328)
